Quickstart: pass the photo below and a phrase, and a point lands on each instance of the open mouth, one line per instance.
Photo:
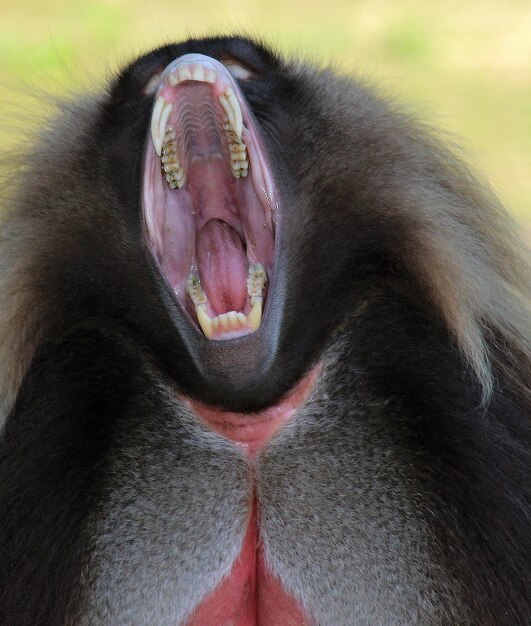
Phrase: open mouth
(208, 198)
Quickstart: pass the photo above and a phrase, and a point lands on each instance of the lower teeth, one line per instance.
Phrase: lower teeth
(256, 281)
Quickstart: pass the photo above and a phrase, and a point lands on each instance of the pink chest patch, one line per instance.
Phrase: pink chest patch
(251, 595)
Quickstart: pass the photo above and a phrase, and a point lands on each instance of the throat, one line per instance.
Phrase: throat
(252, 431)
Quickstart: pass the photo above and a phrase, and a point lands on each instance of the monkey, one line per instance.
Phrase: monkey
(265, 359)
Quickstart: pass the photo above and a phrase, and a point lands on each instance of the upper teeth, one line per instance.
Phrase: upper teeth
(171, 167)
(230, 105)
(229, 102)
(160, 112)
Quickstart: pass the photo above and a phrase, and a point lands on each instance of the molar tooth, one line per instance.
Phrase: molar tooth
(169, 134)
(235, 106)
(173, 79)
(156, 137)
(210, 76)
(198, 73)
(256, 280)
(242, 319)
(178, 180)
(254, 318)
(204, 320)
(239, 165)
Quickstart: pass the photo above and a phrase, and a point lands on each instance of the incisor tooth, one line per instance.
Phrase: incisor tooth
(198, 73)
(184, 73)
(156, 137)
(210, 76)
(224, 320)
(233, 318)
(254, 317)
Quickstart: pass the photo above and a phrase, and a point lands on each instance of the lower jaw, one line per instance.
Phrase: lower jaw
(250, 595)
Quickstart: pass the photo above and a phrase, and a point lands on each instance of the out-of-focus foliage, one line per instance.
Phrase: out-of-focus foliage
(465, 66)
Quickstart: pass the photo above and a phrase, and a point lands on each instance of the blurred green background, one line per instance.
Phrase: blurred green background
(463, 66)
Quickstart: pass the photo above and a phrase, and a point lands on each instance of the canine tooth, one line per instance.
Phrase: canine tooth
(204, 320)
(210, 76)
(156, 137)
(173, 79)
(235, 106)
(198, 73)
(254, 317)
(184, 73)
(228, 110)
(164, 117)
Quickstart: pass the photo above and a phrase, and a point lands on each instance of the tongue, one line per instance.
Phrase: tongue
(223, 266)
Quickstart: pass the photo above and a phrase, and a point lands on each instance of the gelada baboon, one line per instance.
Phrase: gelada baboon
(265, 361)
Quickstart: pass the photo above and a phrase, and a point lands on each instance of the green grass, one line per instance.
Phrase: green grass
(466, 67)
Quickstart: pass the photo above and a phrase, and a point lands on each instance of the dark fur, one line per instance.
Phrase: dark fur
(400, 494)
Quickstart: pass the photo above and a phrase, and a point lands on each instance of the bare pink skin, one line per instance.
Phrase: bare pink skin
(251, 595)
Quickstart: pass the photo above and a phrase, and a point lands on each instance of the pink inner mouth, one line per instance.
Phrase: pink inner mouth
(216, 225)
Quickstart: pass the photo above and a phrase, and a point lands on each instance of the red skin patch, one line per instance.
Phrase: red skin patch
(251, 595)
(252, 431)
